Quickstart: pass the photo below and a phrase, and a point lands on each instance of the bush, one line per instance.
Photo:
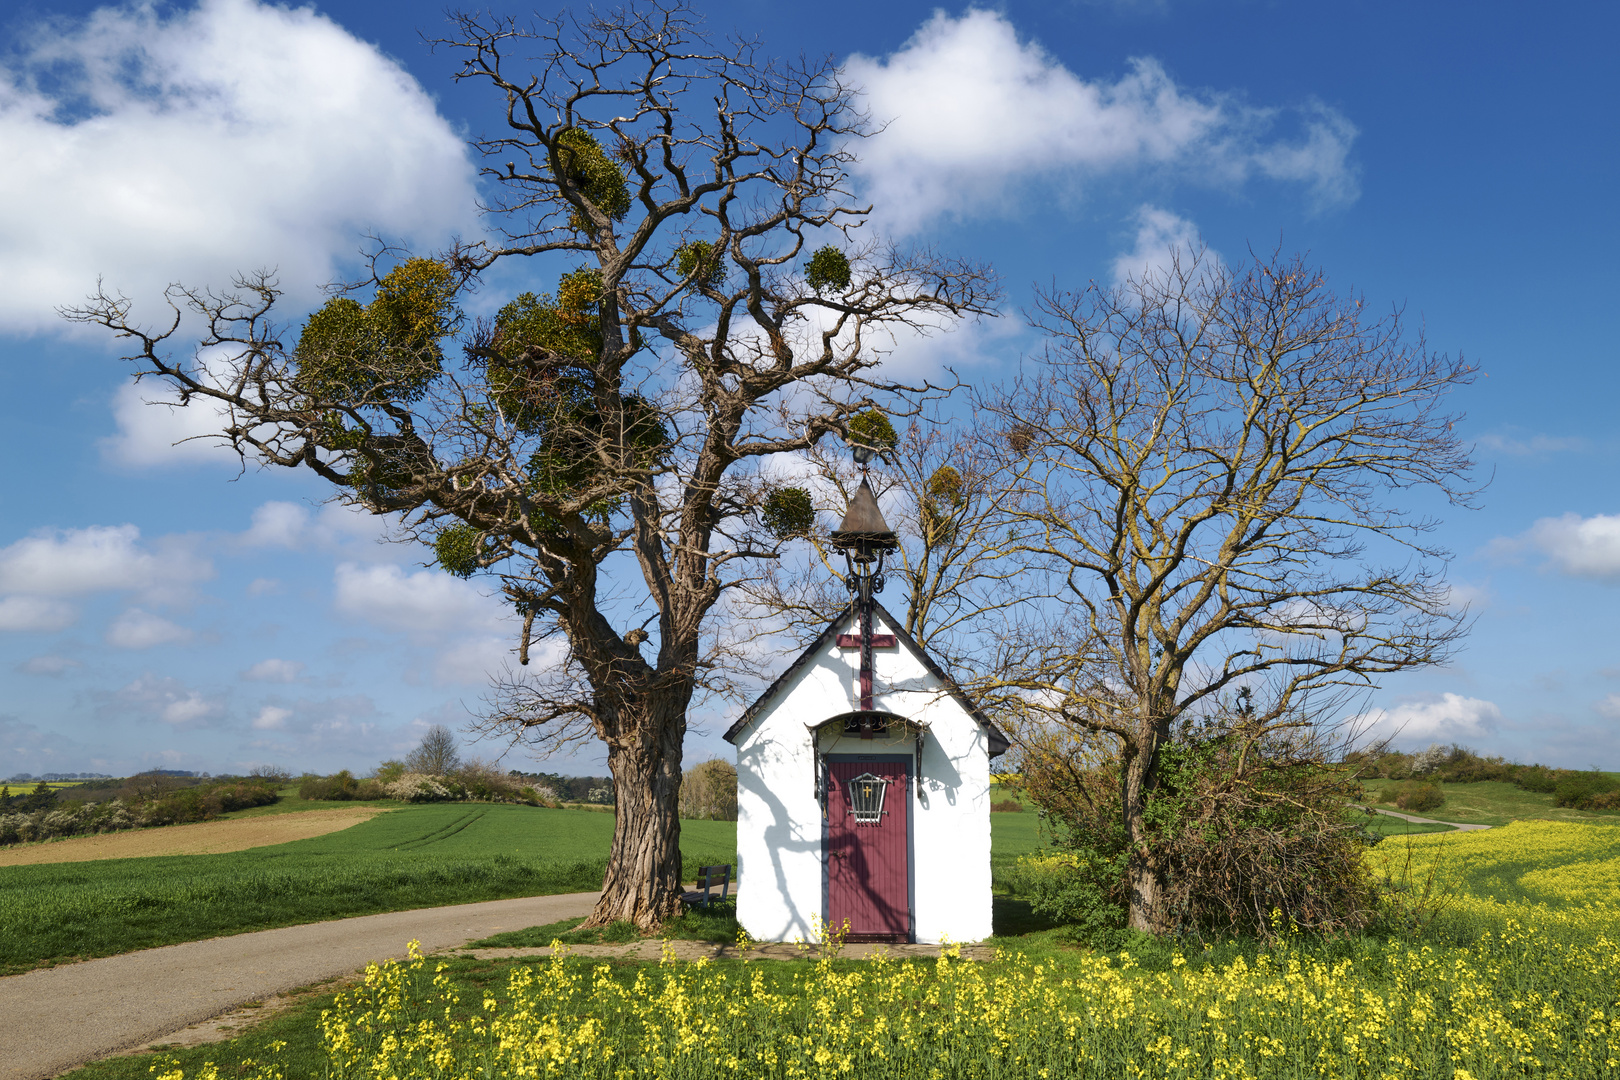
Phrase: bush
(709, 791)
(1071, 887)
(1006, 806)
(1416, 796)
(339, 787)
(143, 801)
(1581, 790)
(1240, 829)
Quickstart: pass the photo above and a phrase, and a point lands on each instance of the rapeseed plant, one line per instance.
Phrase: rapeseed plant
(1503, 990)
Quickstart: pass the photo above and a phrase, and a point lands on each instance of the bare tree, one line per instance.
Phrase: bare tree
(598, 450)
(1210, 457)
(949, 493)
(436, 755)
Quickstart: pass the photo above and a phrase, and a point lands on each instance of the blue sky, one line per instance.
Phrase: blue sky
(159, 607)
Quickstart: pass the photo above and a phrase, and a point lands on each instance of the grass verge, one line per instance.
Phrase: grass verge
(414, 857)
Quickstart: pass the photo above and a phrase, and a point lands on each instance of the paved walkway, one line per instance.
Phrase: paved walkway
(55, 1019)
(1422, 820)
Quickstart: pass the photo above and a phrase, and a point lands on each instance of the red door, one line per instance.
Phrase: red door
(868, 864)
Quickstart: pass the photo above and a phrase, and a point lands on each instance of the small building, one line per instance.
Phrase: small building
(863, 781)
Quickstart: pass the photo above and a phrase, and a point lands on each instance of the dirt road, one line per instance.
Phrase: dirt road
(54, 1019)
(200, 838)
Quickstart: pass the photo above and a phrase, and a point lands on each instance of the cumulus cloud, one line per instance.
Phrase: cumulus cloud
(1443, 719)
(101, 558)
(169, 701)
(335, 527)
(153, 429)
(271, 718)
(274, 671)
(1162, 239)
(35, 614)
(973, 115)
(426, 604)
(137, 629)
(149, 145)
(1582, 547)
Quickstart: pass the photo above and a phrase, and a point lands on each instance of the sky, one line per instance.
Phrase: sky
(162, 606)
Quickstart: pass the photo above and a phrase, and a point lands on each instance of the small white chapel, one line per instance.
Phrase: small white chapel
(863, 779)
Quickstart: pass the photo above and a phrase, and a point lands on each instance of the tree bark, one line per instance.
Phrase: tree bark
(643, 880)
(1143, 872)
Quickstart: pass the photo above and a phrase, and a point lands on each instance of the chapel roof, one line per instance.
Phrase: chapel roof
(999, 743)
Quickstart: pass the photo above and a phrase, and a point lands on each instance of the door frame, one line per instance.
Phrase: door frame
(907, 763)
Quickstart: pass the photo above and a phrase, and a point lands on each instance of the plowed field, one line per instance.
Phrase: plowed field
(201, 838)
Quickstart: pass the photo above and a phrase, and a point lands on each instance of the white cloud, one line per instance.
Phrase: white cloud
(153, 430)
(973, 114)
(271, 718)
(35, 614)
(73, 562)
(1609, 707)
(263, 586)
(336, 527)
(1162, 240)
(170, 701)
(427, 604)
(1577, 546)
(150, 145)
(137, 629)
(276, 671)
(1444, 719)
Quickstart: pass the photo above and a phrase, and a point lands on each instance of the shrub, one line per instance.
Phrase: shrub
(1072, 887)
(1006, 806)
(1580, 790)
(709, 791)
(419, 787)
(341, 786)
(1416, 796)
(1241, 828)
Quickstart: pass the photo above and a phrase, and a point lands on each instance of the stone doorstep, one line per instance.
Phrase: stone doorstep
(708, 950)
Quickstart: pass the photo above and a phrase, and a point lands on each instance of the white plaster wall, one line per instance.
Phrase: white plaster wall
(779, 823)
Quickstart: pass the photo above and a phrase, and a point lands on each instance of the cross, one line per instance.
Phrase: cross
(866, 641)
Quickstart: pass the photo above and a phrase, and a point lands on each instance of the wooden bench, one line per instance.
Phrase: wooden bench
(708, 878)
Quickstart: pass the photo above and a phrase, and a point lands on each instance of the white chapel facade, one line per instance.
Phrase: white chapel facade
(863, 788)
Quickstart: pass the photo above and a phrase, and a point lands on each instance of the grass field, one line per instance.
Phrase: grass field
(415, 856)
(1490, 802)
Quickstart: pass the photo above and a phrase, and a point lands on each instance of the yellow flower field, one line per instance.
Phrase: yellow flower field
(1527, 988)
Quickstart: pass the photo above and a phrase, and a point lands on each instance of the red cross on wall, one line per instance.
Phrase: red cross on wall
(879, 641)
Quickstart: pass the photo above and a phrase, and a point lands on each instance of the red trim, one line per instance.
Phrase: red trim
(879, 641)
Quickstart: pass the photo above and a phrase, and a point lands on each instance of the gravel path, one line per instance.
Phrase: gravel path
(1427, 820)
(54, 1019)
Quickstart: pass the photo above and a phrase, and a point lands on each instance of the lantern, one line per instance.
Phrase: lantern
(866, 798)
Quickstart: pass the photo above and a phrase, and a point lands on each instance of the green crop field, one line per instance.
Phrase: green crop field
(416, 856)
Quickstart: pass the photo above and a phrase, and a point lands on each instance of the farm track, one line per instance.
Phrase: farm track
(59, 1018)
(1459, 826)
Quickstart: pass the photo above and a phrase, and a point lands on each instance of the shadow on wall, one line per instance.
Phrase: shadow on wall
(779, 840)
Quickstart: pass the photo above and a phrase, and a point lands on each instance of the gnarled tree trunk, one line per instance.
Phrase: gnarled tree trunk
(643, 879)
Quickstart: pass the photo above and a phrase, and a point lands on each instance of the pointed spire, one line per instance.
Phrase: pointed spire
(864, 531)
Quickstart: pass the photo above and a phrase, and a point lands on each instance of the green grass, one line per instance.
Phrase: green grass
(1489, 802)
(413, 857)
(1012, 835)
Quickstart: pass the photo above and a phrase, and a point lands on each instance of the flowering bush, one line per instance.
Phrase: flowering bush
(419, 787)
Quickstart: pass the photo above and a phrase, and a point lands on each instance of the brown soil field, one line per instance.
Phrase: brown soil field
(201, 838)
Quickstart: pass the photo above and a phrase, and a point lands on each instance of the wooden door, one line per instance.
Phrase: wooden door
(868, 862)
